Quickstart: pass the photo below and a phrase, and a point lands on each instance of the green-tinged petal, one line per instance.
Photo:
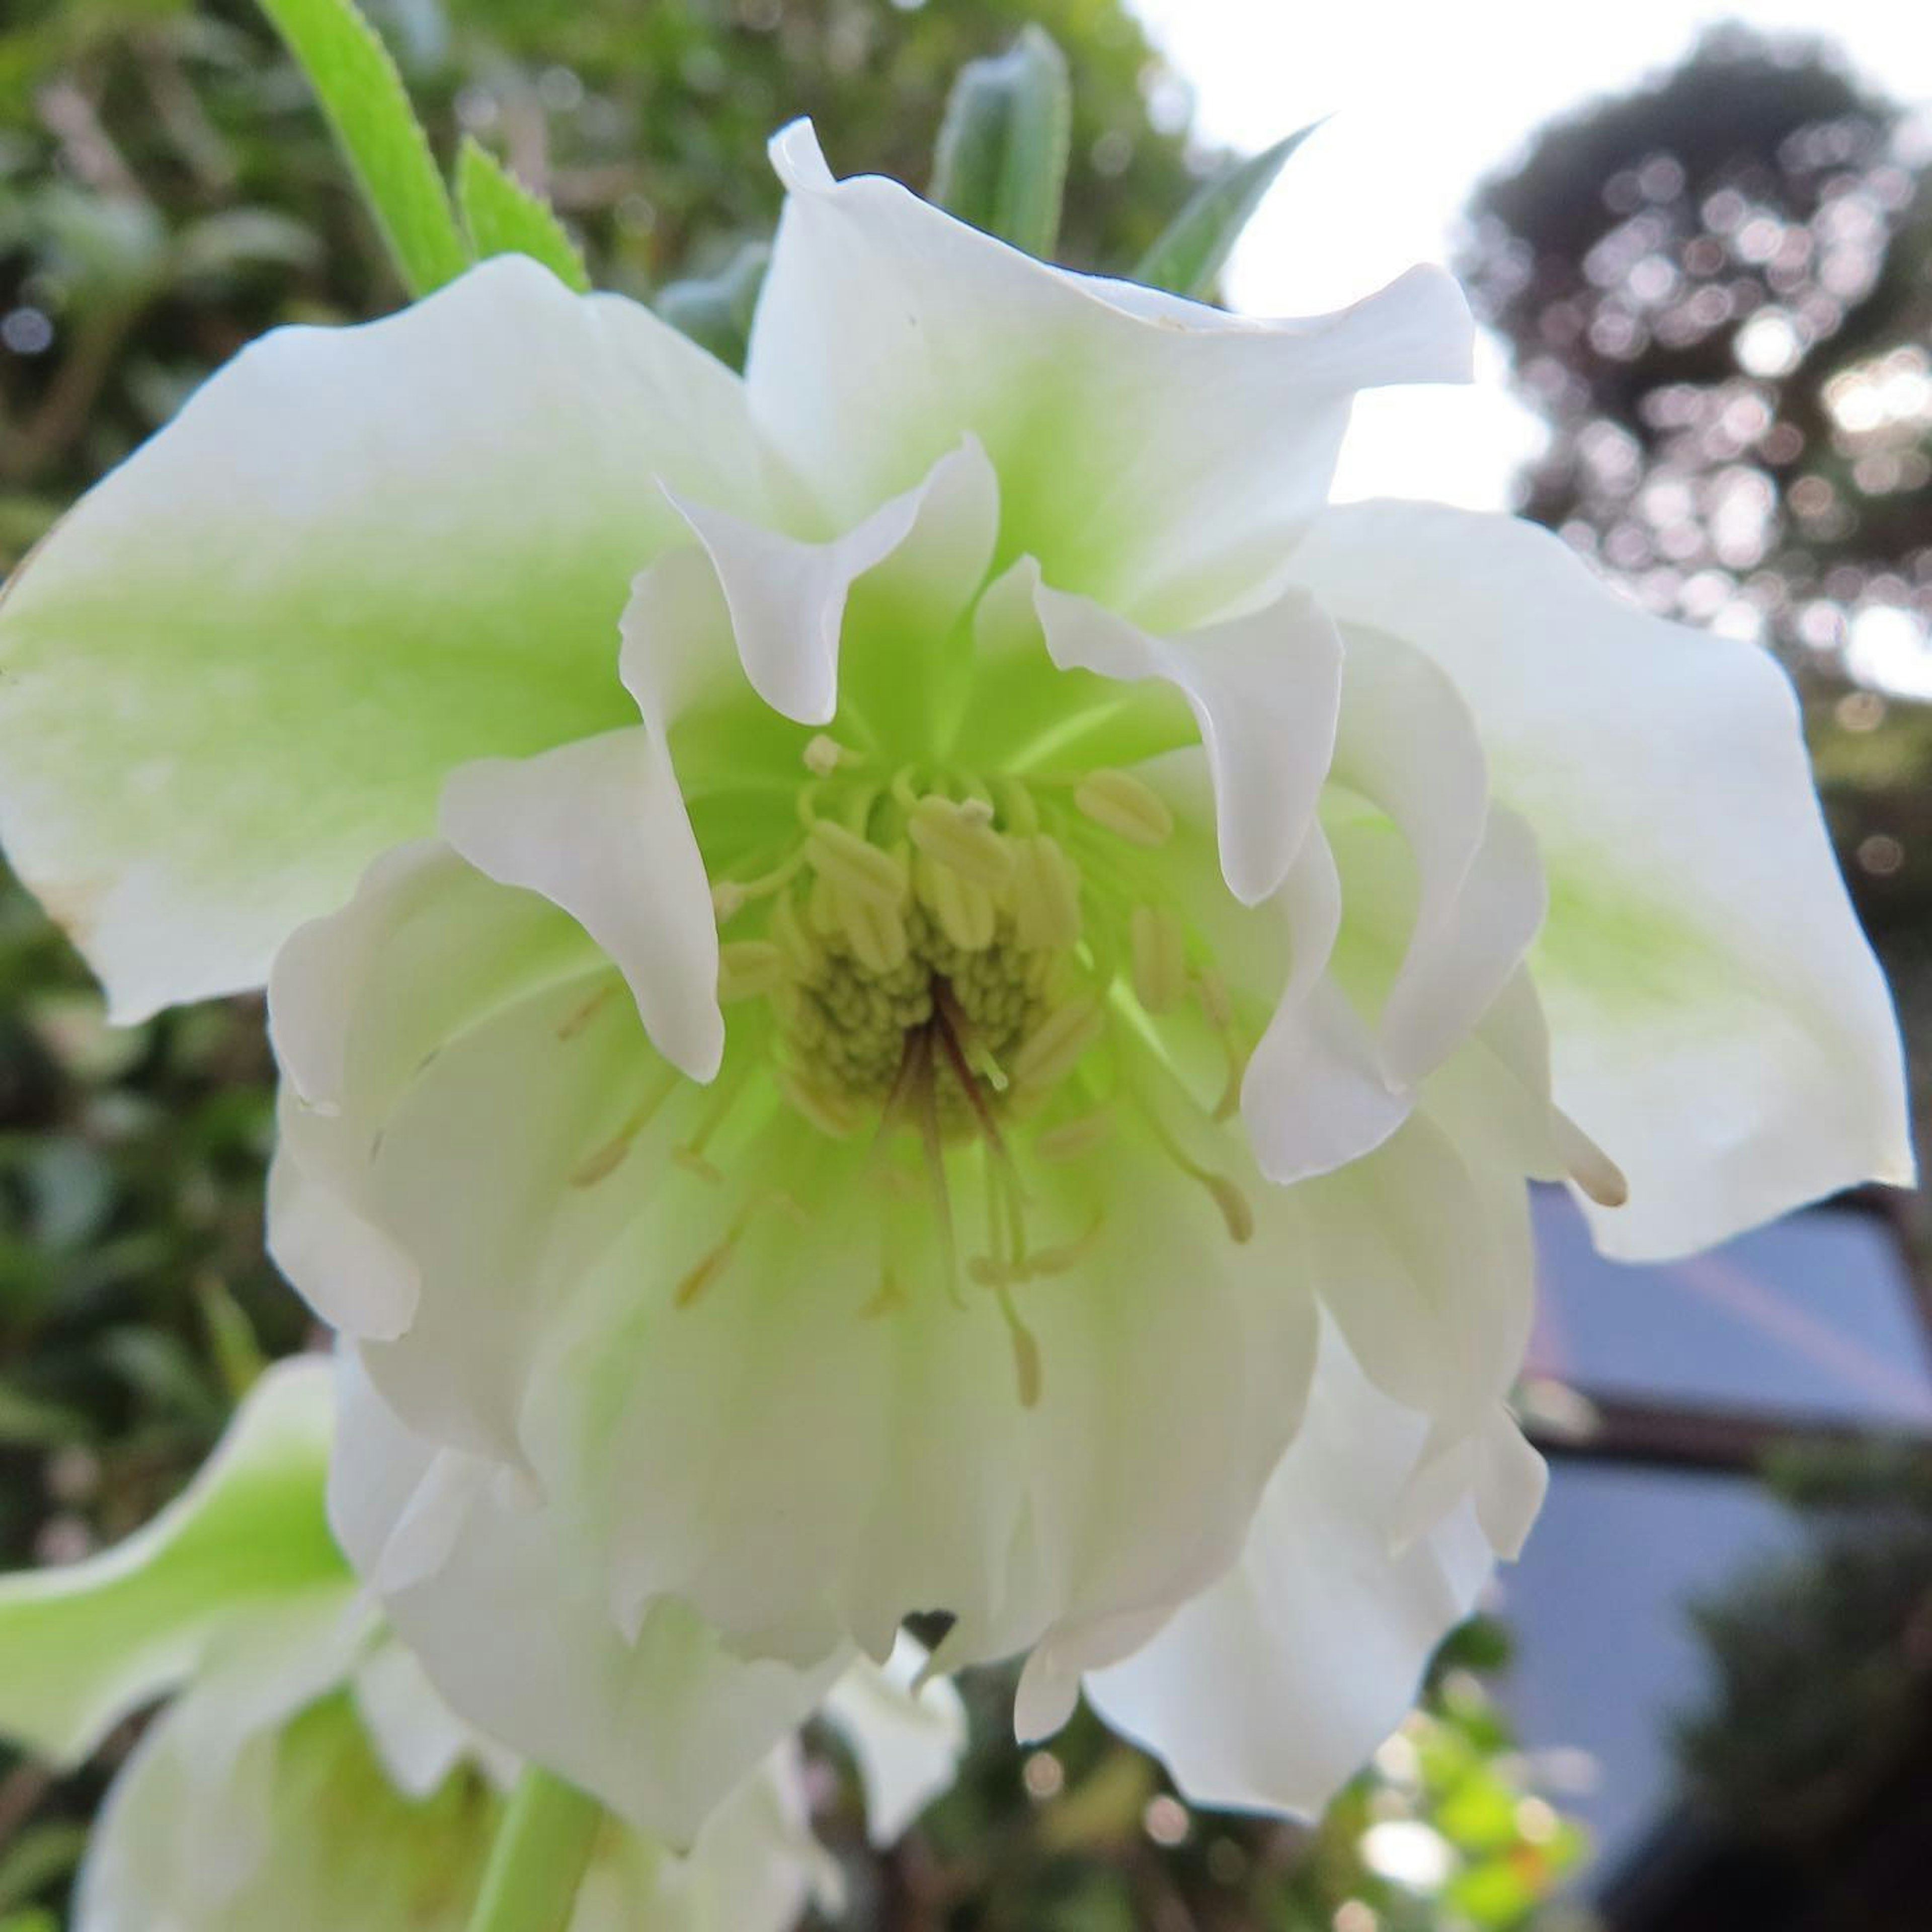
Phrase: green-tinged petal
(600, 829)
(787, 599)
(731, 647)
(908, 1738)
(1421, 1253)
(246, 662)
(611, 1269)
(304, 1833)
(1472, 891)
(1084, 1447)
(1314, 1096)
(1718, 1024)
(1272, 1687)
(1313, 1093)
(448, 947)
(417, 1739)
(1263, 689)
(660, 1726)
(755, 1867)
(1153, 453)
(83, 1645)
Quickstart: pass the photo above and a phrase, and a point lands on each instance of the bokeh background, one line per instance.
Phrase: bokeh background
(1704, 1700)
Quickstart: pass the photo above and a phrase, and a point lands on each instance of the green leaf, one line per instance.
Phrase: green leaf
(1001, 160)
(504, 217)
(84, 1644)
(715, 310)
(41, 1855)
(1195, 246)
(363, 97)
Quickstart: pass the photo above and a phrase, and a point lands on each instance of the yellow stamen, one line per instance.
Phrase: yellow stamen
(1586, 1163)
(824, 755)
(1160, 948)
(1045, 893)
(1074, 1140)
(1126, 806)
(961, 836)
(747, 969)
(860, 869)
(964, 908)
(1052, 1050)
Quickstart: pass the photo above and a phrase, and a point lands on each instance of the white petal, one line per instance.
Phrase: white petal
(359, 557)
(755, 1867)
(1314, 1096)
(1718, 1023)
(599, 828)
(1169, 1361)
(908, 1741)
(418, 1738)
(1421, 1253)
(786, 597)
(1407, 742)
(1263, 687)
(361, 1004)
(1157, 456)
(512, 1631)
(1272, 1688)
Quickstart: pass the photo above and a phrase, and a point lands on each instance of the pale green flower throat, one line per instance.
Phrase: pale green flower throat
(967, 960)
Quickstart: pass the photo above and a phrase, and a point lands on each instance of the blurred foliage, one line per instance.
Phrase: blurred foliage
(167, 191)
(1442, 1833)
(1808, 1761)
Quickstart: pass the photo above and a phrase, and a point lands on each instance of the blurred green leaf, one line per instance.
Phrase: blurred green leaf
(504, 217)
(26, 1419)
(39, 1857)
(1188, 258)
(231, 1338)
(1001, 159)
(363, 97)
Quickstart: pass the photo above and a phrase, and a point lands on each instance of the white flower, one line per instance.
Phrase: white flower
(304, 1774)
(885, 1091)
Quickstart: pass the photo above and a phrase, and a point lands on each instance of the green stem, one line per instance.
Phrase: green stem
(537, 1862)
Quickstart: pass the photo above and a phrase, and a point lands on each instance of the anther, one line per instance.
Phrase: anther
(1160, 958)
(964, 910)
(876, 933)
(1045, 894)
(824, 756)
(1126, 806)
(1074, 1140)
(1586, 1163)
(962, 836)
(747, 969)
(843, 859)
(1054, 1047)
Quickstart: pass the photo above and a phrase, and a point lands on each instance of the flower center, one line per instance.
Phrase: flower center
(968, 961)
(933, 945)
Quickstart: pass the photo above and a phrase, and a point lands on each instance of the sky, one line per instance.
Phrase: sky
(1427, 97)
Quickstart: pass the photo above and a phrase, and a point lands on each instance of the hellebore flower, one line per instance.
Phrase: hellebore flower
(304, 1774)
(951, 956)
